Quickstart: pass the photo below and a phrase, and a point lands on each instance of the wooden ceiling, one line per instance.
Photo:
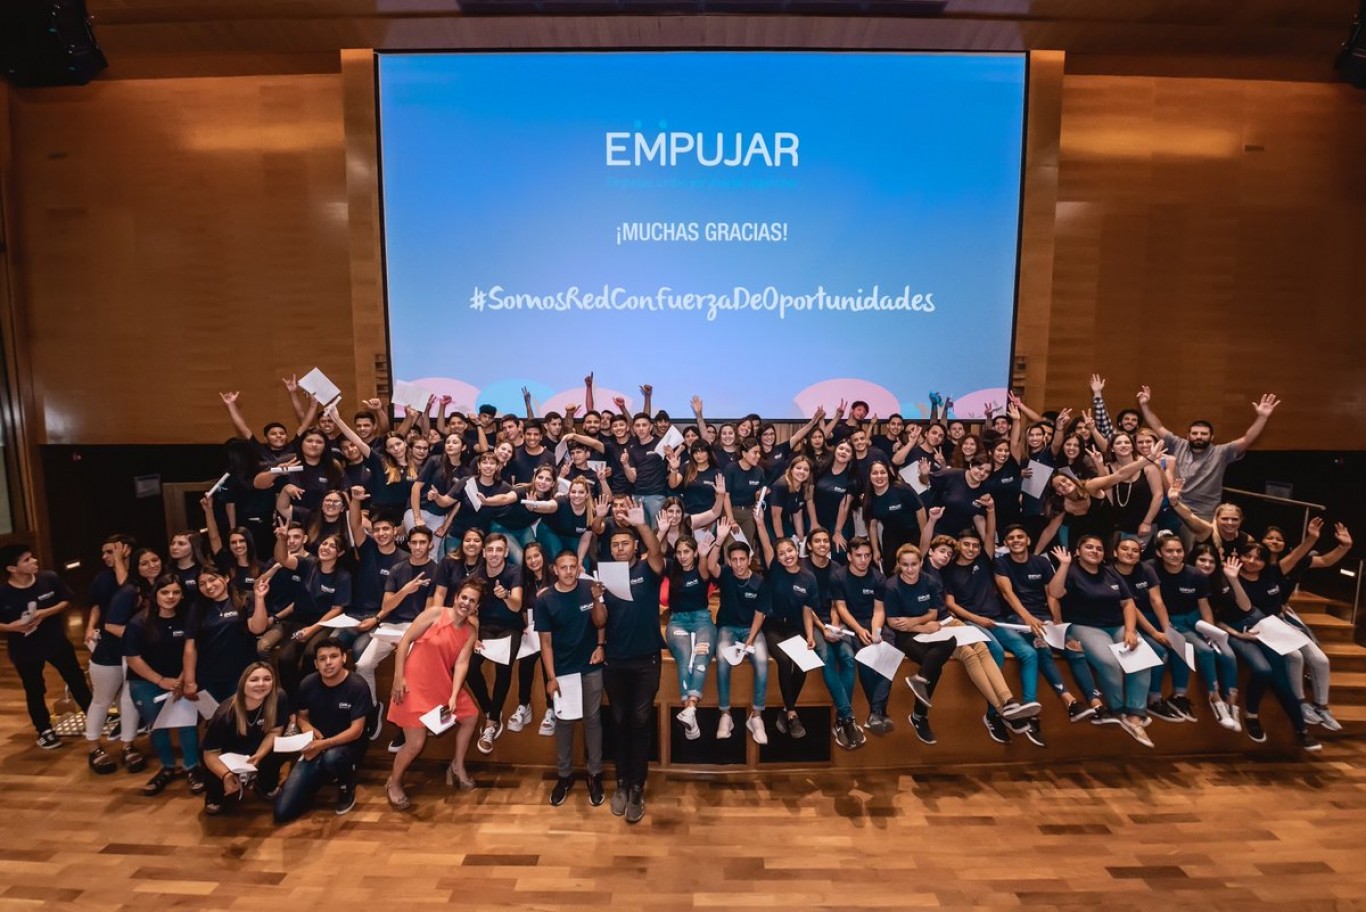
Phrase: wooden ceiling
(1276, 38)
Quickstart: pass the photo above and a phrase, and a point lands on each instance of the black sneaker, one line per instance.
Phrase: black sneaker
(157, 784)
(1018, 726)
(619, 798)
(378, 724)
(780, 723)
(346, 799)
(796, 728)
(1103, 716)
(561, 790)
(635, 804)
(996, 727)
(1309, 742)
(921, 724)
(878, 723)
(1253, 726)
(1035, 733)
(1184, 707)
(1077, 711)
(397, 744)
(48, 740)
(1163, 710)
(595, 793)
(921, 688)
(856, 735)
(195, 776)
(841, 734)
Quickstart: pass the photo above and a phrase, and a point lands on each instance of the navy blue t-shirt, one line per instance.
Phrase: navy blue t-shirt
(896, 508)
(1141, 582)
(857, 592)
(950, 490)
(743, 485)
(1095, 599)
(1029, 582)
(1182, 590)
(903, 599)
(50, 637)
(320, 592)
(790, 595)
(741, 598)
(158, 641)
(652, 472)
(567, 617)
(412, 604)
(223, 645)
(494, 613)
(687, 591)
(633, 627)
(123, 604)
(332, 710)
(699, 495)
(973, 587)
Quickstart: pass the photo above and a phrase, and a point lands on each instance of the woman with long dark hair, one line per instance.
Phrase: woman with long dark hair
(138, 571)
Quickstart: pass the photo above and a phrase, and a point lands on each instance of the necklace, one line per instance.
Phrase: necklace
(1128, 487)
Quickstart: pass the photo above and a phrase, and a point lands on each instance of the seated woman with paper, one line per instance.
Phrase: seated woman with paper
(1260, 640)
(1094, 599)
(429, 687)
(239, 740)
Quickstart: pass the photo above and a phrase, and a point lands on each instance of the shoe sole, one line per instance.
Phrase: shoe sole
(1021, 712)
(923, 739)
(992, 732)
(920, 698)
(1082, 716)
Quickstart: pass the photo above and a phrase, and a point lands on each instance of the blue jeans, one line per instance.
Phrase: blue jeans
(518, 539)
(652, 503)
(1267, 668)
(728, 636)
(336, 764)
(144, 693)
(876, 688)
(1022, 648)
(554, 543)
(1121, 692)
(1171, 658)
(691, 636)
(1044, 662)
(1219, 670)
(839, 671)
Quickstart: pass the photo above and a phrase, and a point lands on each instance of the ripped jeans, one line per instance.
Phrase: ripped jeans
(691, 636)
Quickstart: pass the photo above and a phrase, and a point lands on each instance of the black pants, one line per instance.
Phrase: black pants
(526, 668)
(35, 688)
(631, 687)
(492, 705)
(294, 658)
(931, 657)
(791, 678)
(267, 778)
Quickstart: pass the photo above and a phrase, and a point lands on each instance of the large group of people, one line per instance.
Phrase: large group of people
(584, 544)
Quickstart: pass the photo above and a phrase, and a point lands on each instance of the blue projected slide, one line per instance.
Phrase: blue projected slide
(772, 231)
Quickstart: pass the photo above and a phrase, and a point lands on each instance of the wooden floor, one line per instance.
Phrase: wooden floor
(1233, 833)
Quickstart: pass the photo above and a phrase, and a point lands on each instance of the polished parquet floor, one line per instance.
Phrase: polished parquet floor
(1232, 833)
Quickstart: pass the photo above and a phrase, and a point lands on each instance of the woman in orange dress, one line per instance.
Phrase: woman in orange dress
(429, 671)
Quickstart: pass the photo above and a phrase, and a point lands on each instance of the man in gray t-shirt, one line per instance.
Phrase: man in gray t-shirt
(1200, 462)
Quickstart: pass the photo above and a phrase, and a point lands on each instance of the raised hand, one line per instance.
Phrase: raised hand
(1266, 405)
(635, 514)
(923, 466)
(620, 403)
(1061, 555)
(697, 405)
(1175, 488)
(570, 408)
(986, 502)
(722, 528)
(1232, 564)
(1144, 396)
(603, 506)
(291, 382)
(359, 493)
(1342, 535)
(1315, 527)
(935, 513)
(375, 403)
(229, 398)
(588, 381)
(1097, 384)
(646, 389)
(526, 393)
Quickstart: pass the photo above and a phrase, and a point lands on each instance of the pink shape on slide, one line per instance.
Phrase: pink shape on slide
(973, 405)
(828, 393)
(464, 398)
(602, 398)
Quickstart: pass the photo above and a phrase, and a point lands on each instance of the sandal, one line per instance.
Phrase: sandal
(401, 803)
(157, 784)
(453, 778)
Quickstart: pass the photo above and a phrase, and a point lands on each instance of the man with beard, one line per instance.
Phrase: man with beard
(1199, 460)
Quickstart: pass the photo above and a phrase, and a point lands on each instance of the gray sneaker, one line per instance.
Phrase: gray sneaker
(1326, 719)
(635, 804)
(619, 798)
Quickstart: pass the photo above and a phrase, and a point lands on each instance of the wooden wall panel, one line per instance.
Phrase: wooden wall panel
(368, 328)
(1208, 233)
(176, 238)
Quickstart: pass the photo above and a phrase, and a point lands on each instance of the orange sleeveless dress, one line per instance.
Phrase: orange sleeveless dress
(429, 673)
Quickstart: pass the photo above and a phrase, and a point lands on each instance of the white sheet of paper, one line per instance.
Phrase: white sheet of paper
(1037, 482)
(760, 502)
(967, 634)
(499, 650)
(180, 713)
(432, 718)
(1278, 635)
(569, 698)
(596, 465)
(393, 632)
(838, 631)
(340, 622)
(206, 705)
(1140, 658)
(943, 633)
(734, 653)
(293, 744)
(796, 649)
(410, 394)
(671, 439)
(615, 576)
(472, 492)
(738, 535)
(1216, 635)
(1055, 635)
(530, 643)
(882, 657)
(1022, 628)
(316, 383)
(561, 485)
(1189, 655)
(237, 763)
(561, 450)
(911, 475)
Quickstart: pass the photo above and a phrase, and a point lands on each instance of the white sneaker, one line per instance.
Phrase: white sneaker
(756, 729)
(1326, 719)
(548, 723)
(688, 716)
(1234, 712)
(520, 719)
(1223, 716)
(726, 727)
(485, 742)
(1311, 715)
(1135, 731)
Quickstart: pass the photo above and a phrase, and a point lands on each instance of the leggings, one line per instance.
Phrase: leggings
(931, 657)
(984, 673)
(526, 667)
(1313, 656)
(492, 706)
(790, 675)
(109, 685)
